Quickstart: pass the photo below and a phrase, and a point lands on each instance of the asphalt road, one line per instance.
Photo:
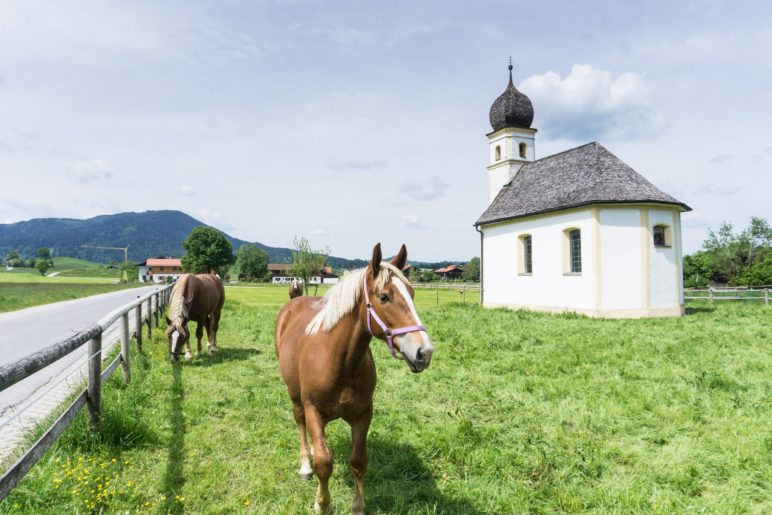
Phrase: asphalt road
(28, 330)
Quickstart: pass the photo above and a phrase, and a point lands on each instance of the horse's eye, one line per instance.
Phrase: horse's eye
(384, 298)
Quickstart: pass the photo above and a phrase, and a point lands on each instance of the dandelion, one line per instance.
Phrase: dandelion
(246, 502)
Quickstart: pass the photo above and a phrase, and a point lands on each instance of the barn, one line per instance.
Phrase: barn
(576, 231)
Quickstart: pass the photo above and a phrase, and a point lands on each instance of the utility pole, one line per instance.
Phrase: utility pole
(124, 249)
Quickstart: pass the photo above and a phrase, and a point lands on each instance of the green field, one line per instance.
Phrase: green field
(65, 270)
(25, 287)
(519, 412)
(19, 295)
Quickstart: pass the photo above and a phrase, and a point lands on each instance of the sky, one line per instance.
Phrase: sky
(352, 122)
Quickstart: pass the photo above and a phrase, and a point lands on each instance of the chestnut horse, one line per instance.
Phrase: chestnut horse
(199, 298)
(295, 289)
(323, 345)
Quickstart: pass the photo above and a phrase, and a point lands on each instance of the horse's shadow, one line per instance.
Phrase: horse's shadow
(398, 481)
(223, 355)
(174, 477)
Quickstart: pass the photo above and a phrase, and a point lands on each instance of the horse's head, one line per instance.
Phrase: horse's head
(176, 337)
(391, 313)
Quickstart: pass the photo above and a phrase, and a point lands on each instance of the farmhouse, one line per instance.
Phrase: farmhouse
(158, 270)
(280, 273)
(449, 272)
(576, 231)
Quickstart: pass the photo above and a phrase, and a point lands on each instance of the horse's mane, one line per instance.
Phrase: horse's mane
(178, 305)
(341, 299)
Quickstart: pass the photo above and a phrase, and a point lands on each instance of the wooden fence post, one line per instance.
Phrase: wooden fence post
(125, 348)
(95, 378)
(157, 309)
(438, 296)
(710, 293)
(766, 297)
(149, 317)
(138, 325)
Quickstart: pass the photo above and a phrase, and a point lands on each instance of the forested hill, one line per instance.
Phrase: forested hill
(148, 234)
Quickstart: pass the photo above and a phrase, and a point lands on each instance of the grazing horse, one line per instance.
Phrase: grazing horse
(323, 345)
(295, 289)
(199, 298)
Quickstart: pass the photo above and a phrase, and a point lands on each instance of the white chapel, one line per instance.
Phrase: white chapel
(576, 231)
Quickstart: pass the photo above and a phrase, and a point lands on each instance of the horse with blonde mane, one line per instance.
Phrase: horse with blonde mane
(323, 346)
(199, 298)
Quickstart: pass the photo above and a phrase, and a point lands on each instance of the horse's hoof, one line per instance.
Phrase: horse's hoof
(305, 476)
(318, 509)
(188, 357)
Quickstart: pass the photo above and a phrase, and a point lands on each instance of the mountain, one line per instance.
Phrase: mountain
(147, 234)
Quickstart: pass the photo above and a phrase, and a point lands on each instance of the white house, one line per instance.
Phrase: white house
(576, 231)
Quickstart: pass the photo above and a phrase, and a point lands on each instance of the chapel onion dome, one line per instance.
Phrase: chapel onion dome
(511, 109)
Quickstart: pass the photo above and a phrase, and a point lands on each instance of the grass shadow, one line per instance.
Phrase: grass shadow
(398, 481)
(174, 477)
(223, 355)
(694, 310)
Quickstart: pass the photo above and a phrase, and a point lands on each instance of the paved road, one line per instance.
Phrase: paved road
(28, 330)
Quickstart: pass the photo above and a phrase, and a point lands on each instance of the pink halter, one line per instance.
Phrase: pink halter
(390, 333)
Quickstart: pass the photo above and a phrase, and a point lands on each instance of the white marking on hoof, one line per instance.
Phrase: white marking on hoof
(318, 509)
(305, 472)
(188, 356)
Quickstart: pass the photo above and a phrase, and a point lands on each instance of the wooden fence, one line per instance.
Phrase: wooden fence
(91, 396)
(712, 294)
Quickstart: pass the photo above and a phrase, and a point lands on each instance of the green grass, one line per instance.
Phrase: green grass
(519, 412)
(67, 270)
(21, 295)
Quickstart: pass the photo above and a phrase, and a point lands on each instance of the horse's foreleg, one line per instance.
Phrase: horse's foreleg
(358, 459)
(305, 471)
(214, 325)
(188, 355)
(199, 335)
(322, 460)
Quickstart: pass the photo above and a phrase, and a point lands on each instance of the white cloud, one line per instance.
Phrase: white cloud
(590, 103)
(411, 221)
(349, 163)
(184, 189)
(430, 189)
(720, 190)
(89, 170)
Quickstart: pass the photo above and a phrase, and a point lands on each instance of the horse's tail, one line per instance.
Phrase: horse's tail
(178, 306)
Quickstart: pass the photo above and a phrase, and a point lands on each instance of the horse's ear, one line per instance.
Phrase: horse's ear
(400, 259)
(375, 262)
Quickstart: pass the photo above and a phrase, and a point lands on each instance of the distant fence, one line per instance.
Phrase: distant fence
(91, 396)
(715, 293)
(441, 285)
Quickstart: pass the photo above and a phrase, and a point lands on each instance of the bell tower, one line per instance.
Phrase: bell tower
(512, 139)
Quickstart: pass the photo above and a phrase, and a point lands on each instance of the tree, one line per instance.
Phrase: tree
(733, 258)
(307, 261)
(252, 262)
(44, 253)
(13, 259)
(472, 270)
(42, 265)
(207, 250)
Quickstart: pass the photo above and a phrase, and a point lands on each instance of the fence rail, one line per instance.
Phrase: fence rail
(446, 286)
(91, 396)
(712, 294)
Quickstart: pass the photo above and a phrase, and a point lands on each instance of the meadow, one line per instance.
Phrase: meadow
(75, 278)
(519, 412)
